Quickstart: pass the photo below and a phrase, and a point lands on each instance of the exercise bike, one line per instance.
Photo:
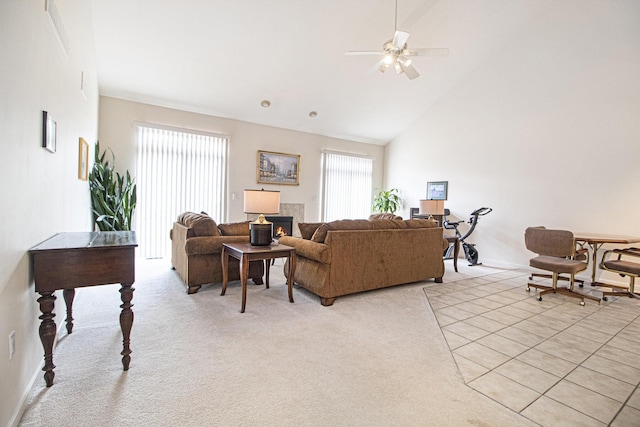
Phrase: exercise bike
(470, 251)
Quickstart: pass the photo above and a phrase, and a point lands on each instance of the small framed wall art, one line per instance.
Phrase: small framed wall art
(83, 160)
(437, 190)
(49, 131)
(278, 168)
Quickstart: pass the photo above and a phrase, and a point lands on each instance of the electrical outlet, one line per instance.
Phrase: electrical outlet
(12, 344)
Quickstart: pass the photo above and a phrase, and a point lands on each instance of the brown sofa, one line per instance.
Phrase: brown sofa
(196, 246)
(349, 256)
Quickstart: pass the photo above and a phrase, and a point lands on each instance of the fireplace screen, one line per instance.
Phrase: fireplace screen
(282, 225)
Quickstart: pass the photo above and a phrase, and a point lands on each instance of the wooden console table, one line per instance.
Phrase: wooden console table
(71, 260)
(245, 253)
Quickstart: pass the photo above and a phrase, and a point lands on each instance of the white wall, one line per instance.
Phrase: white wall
(40, 193)
(117, 132)
(546, 131)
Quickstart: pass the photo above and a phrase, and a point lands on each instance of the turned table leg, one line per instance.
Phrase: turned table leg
(68, 295)
(126, 321)
(47, 334)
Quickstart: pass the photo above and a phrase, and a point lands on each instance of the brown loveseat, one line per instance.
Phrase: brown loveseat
(349, 256)
(196, 246)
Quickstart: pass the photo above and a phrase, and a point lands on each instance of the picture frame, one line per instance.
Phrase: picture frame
(49, 132)
(437, 190)
(278, 168)
(83, 160)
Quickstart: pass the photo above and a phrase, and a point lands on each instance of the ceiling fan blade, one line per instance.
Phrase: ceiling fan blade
(363, 52)
(427, 52)
(380, 66)
(400, 39)
(410, 71)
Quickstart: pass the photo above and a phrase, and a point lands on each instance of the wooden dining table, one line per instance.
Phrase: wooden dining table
(595, 241)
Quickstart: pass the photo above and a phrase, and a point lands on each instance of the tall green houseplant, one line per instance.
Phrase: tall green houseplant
(387, 201)
(113, 197)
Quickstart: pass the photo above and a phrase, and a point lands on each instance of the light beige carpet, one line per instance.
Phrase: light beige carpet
(372, 359)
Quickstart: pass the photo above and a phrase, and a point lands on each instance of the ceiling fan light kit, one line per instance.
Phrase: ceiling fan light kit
(396, 52)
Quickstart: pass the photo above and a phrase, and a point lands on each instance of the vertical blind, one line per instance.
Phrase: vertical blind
(347, 185)
(177, 171)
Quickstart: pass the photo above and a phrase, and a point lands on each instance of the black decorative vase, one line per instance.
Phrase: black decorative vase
(260, 234)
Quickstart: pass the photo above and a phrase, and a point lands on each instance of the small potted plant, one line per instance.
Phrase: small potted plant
(387, 201)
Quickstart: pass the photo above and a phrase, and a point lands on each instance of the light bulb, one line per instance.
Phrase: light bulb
(388, 59)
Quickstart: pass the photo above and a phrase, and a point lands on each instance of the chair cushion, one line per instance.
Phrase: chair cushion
(557, 265)
(623, 266)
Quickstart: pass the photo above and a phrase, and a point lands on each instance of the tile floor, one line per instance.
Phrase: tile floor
(553, 361)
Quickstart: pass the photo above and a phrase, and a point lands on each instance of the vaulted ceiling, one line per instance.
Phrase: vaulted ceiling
(223, 57)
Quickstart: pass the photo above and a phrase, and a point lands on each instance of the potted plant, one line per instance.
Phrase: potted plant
(113, 197)
(387, 201)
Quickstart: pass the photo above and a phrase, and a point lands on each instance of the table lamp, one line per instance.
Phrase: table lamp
(261, 202)
(431, 207)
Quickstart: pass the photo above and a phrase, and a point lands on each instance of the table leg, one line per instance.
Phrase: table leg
(594, 260)
(292, 270)
(225, 270)
(244, 273)
(47, 334)
(68, 295)
(126, 321)
(267, 265)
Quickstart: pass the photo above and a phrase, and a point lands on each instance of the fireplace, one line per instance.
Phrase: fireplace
(282, 225)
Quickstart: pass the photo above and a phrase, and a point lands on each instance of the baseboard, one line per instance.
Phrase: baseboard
(22, 405)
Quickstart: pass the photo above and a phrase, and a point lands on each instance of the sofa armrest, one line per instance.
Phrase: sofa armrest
(308, 249)
(210, 244)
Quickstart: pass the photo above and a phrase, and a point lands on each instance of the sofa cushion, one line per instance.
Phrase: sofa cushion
(344, 224)
(201, 224)
(320, 233)
(420, 223)
(234, 229)
(386, 224)
(308, 228)
(386, 215)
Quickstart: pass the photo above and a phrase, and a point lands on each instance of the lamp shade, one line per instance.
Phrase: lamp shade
(431, 207)
(261, 202)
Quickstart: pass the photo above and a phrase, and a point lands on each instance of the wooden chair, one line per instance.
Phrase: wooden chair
(556, 250)
(620, 264)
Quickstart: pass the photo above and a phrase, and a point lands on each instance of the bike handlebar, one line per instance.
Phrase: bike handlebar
(481, 211)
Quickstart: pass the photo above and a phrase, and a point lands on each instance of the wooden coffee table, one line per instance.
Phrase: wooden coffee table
(245, 253)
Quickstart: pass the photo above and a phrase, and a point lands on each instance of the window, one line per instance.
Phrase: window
(178, 170)
(347, 185)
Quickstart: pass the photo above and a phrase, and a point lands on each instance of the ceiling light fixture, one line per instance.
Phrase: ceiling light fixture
(313, 113)
(266, 103)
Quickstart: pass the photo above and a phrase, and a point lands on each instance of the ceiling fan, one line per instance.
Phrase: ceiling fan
(397, 54)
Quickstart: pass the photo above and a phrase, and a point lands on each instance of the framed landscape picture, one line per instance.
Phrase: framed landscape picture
(278, 168)
(83, 160)
(437, 190)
